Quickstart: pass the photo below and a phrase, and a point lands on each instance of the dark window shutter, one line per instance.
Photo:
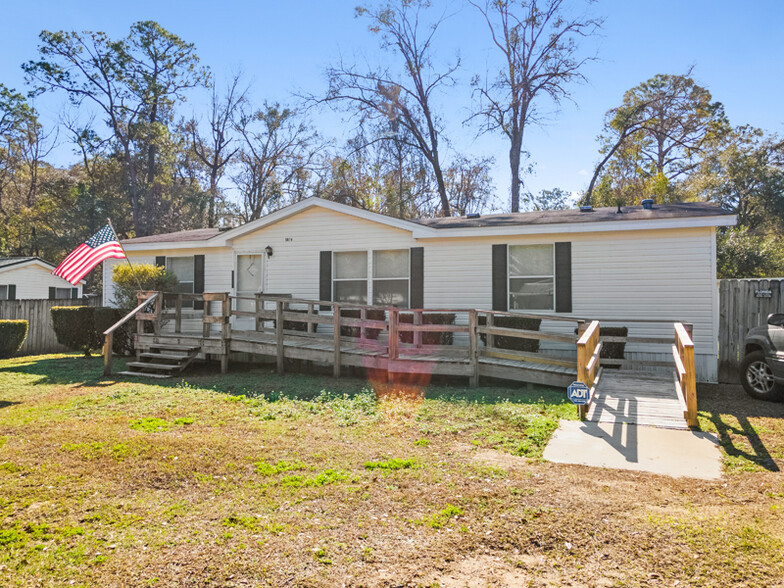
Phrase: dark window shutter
(11, 291)
(232, 279)
(160, 261)
(74, 293)
(417, 277)
(198, 280)
(500, 294)
(325, 277)
(563, 277)
(52, 293)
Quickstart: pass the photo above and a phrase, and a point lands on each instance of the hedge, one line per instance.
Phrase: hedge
(81, 328)
(429, 338)
(12, 335)
(75, 328)
(513, 322)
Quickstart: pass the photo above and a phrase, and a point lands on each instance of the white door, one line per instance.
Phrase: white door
(249, 281)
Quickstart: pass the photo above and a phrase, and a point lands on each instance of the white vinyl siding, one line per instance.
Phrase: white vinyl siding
(33, 281)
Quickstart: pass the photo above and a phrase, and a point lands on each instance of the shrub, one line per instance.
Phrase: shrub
(75, 328)
(12, 335)
(514, 322)
(151, 277)
(613, 350)
(435, 318)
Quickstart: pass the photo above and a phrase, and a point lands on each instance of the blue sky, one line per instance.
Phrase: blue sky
(285, 46)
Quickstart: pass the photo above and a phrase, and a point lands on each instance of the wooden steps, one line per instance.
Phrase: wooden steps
(162, 361)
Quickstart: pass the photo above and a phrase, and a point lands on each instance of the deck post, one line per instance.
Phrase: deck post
(178, 314)
(392, 344)
(158, 313)
(205, 324)
(473, 347)
(259, 309)
(392, 341)
(336, 340)
(418, 319)
(363, 318)
(311, 325)
(279, 334)
(490, 322)
(107, 354)
(225, 331)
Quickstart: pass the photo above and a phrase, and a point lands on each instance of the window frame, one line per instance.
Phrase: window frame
(187, 302)
(367, 279)
(510, 277)
(58, 290)
(407, 278)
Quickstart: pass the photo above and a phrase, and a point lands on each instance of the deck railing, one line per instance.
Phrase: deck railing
(589, 350)
(685, 378)
(145, 299)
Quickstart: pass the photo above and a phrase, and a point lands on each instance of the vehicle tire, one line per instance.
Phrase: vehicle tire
(757, 378)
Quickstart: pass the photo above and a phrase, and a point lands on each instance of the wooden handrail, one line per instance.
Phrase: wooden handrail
(108, 334)
(588, 359)
(683, 353)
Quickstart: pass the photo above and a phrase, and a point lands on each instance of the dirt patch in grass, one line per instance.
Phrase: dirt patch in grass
(264, 480)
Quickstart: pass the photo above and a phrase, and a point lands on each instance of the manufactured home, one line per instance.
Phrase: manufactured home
(636, 267)
(25, 278)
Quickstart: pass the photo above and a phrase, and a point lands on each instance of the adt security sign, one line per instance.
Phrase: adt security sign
(578, 393)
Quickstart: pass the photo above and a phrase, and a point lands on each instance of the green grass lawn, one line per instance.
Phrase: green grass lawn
(256, 479)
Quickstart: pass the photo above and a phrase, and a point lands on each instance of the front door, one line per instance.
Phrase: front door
(249, 282)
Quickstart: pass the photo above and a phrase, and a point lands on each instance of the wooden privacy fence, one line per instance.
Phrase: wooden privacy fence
(743, 304)
(40, 335)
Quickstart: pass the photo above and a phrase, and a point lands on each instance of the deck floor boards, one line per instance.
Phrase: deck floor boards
(642, 398)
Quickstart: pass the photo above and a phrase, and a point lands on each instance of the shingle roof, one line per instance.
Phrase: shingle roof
(9, 261)
(544, 217)
(179, 236)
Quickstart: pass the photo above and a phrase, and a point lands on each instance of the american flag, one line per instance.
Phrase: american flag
(102, 245)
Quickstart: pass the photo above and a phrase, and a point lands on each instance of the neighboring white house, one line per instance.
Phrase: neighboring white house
(657, 264)
(24, 278)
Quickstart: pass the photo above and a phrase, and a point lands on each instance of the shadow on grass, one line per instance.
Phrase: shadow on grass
(736, 418)
(257, 380)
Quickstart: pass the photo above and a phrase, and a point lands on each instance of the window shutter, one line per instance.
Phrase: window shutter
(500, 294)
(52, 293)
(160, 260)
(325, 277)
(74, 293)
(198, 280)
(11, 291)
(563, 277)
(417, 277)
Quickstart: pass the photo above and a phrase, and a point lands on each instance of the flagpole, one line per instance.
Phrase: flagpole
(135, 275)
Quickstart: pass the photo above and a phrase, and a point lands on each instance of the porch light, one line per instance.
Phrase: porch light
(268, 251)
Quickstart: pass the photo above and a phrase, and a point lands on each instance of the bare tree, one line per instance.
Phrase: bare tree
(539, 46)
(216, 149)
(275, 158)
(407, 98)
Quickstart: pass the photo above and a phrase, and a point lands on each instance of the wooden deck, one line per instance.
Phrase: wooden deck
(641, 398)
(403, 344)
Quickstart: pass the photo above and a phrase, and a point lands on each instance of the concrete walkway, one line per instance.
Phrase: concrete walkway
(625, 446)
